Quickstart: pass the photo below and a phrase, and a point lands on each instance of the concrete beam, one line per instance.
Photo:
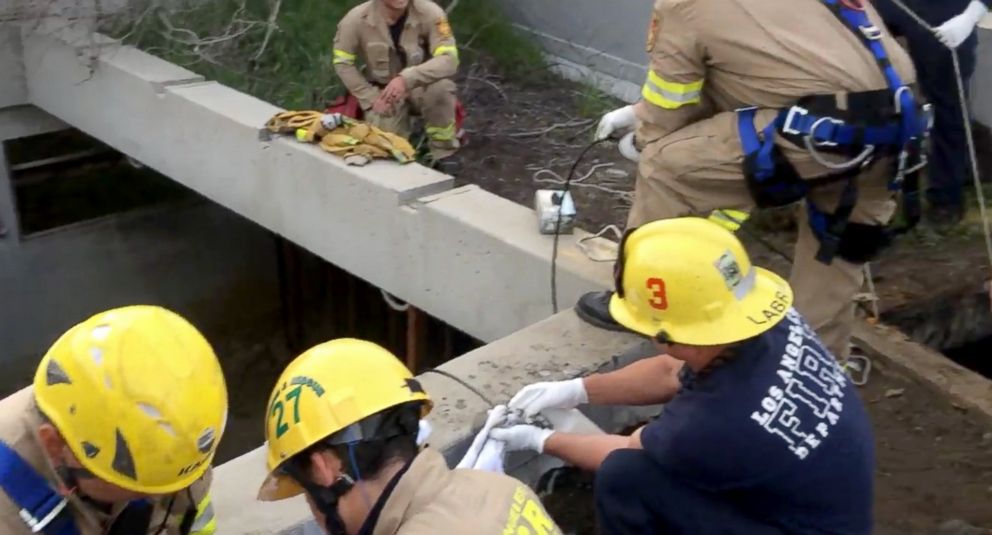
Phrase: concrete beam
(466, 256)
(560, 347)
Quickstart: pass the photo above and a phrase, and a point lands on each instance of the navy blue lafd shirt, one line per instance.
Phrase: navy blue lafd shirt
(778, 431)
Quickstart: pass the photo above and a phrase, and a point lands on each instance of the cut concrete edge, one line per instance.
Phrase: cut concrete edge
(560, 347)
(962, 386)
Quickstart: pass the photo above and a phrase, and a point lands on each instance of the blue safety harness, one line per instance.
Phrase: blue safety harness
(887, 122)
(42, 508)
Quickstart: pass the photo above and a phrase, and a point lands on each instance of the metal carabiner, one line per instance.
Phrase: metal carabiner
(861, 159)
(862, 370)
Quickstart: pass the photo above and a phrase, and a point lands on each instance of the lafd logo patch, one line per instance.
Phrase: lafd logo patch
(444, 28)
(652, 32)
(730, 270)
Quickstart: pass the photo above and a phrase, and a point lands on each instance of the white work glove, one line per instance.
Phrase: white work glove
(953, 32)
(497, 416)
(532, 399)
(615, 120)
(627, 148)
(331, 121)
(522, 437)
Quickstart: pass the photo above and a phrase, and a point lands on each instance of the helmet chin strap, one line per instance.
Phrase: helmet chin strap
(325, 498)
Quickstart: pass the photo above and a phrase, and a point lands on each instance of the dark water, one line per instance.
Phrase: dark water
(976, 356)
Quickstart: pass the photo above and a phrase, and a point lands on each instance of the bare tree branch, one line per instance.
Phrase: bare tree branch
(271, 27)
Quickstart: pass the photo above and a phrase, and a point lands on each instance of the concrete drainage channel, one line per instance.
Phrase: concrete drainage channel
(464, 255)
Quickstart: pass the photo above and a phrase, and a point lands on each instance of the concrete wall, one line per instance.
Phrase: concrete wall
(603, 43)
(466, 256)
(197, 258)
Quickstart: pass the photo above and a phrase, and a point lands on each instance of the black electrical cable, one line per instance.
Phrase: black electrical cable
(554, 247)
(462, 382)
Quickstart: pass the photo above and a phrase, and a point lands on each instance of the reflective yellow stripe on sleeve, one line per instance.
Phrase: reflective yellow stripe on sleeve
(451, 50)
(441, 133)
(205, 522)
(342, 57)
(729, 219)
(670, 95)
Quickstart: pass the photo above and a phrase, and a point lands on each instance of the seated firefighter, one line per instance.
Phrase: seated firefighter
(761, 431)
(117, 434)
(410, 57)
(342, 427)
(810, 105)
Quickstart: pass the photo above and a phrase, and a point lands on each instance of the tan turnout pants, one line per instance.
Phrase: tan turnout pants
(698, 169)
(436, 104)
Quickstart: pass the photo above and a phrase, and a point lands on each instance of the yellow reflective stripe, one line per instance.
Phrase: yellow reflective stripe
(340, 56)
(446, 49)
(441, 133)
(670, 95)
(205, 522)
(729, 219)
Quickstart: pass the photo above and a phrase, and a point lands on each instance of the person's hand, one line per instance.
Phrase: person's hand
(394, 93)
(954, 32)
(532, 399)
(522, 437)
(615, 120)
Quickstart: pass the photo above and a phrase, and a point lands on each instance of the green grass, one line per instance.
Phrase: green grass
(593, 102)
(294, 71)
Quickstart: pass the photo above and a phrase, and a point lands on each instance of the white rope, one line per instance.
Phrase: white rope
(579, 182)
(394, 303)
(966, 117)
(584, 247)
(871, 290)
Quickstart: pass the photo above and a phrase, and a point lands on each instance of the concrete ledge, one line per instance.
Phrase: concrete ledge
(964, 387)
(559, 347)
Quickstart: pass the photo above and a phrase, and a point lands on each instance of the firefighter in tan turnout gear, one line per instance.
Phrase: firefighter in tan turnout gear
(342, 427)
(117, 433)
(409, 56)
(751, 103)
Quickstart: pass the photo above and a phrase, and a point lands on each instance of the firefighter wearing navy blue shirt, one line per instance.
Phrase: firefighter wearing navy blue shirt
(761, 431)
(955, 21)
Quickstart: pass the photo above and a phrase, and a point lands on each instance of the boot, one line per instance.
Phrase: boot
(594, 309)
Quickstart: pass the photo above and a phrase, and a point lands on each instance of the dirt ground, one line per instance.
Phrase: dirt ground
(934, 464)
(934, 460)
(521, 135)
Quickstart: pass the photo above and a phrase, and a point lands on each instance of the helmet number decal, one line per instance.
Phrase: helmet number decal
(279, 410)
(659, 298)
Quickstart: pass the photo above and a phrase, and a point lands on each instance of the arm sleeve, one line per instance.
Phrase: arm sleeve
(345, 55)
(444, 53)
(672, 93)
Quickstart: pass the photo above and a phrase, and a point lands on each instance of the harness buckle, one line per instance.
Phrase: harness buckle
(898, 98)
(825, 142)
(39, 525)
(794, 113)
(871, 33)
